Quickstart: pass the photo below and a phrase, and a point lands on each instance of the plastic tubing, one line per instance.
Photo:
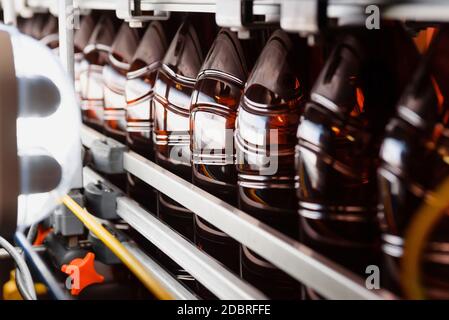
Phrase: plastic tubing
(431, 211)
(117, 248)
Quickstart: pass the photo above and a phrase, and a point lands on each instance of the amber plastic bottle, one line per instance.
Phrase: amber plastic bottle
(24, 25)
(414, 162)
(171, 102)
(91, 76)
(115, 70)
(114, 76)
(213, 112)
(172, 93)
(139, 111)
(339, 138)
(266, 124)
(43, 27)
(36, 26)
(49, 35)
(81, 39)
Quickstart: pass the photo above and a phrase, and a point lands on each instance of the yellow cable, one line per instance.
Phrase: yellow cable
(117, 248)
(428, 215)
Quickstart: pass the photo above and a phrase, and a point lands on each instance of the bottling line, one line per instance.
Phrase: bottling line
(224, 149)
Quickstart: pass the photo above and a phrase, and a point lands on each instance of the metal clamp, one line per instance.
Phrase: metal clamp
(27, 10)
(305, 16)
(131, 11)
(107, 156)
(64, 222)
(101, 200)
(242, 15)
(234, 13)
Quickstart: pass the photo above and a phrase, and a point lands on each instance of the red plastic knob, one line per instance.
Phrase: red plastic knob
(82, 272)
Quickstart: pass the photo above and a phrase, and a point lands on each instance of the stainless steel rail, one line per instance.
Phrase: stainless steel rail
(300, 262)
(210, 273)
(174, 287)
(418, 10)
(326, 277)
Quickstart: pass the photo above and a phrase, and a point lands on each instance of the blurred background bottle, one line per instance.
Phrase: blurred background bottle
(91, 76)
(50, 33)
(36, 25)
(414, 157)
(339, 138)
(43, 27)
(81, 39)
(114, 77)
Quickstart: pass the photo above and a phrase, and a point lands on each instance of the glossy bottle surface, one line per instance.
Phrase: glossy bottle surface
(24, 24)
(213, 112)
(139, 110)
(49, 35)
(37, 25)
(339, 138)
(91, 74)
(266, 124)
(114, 76)
(43, 27)
(171, 136)
(81, 39)
(172, 92)
(414, 162)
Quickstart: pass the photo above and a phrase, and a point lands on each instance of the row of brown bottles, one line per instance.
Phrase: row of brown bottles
(232, 117)
(189, 95)
(183, 122)
(43, 27)
(339, 138)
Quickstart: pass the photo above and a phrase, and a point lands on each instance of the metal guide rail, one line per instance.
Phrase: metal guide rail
(176, 289)
(293, 15)
(210, 273)
(312, 269)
